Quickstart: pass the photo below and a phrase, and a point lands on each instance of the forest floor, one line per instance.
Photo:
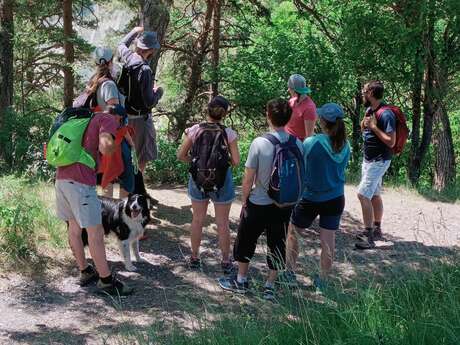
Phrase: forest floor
(44, 305)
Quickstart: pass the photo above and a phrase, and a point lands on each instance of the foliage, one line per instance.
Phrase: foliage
(26, 222)
(420, 309)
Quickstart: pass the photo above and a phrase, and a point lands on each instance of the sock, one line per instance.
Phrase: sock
(88, 269)
(269, 285)
(107, 280)
(241, 279)
(377, 224)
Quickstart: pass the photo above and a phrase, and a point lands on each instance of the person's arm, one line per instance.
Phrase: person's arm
(388, 137)
(309, 128)
(124, 52)
(106, 143)
(234, 152)
(182, 153)
(248, 181)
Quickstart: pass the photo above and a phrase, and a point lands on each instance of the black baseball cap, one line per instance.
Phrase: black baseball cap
(219, 101)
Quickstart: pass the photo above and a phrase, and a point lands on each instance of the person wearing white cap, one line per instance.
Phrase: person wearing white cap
(326, 157)
(302, 123)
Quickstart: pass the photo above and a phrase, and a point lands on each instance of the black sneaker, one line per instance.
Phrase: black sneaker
(365, 244)
(231, 284)
(377, 235)
(364, 235)
(227, 267)
(194, 263)
(88, 276)
(114, 288)
(269, 293)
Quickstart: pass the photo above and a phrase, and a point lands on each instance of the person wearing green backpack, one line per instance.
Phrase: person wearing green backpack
(78, 205)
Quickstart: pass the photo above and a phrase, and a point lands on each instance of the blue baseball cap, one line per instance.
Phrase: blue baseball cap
(330, 112)
(148, 40)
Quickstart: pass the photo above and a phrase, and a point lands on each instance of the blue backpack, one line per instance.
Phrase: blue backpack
(288, 172)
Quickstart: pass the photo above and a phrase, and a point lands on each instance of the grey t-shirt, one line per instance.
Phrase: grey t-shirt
(106, 91)
(260, 157)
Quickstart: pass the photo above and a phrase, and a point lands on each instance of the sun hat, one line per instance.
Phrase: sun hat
(219, 101)
(298, 84)
(102, 55)
(148, 40)
(330, 112)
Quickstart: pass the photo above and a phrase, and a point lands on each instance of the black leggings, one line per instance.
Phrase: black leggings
(254, 220)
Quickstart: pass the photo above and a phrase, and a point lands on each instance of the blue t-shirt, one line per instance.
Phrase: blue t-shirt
(374, 148)
(324, 169)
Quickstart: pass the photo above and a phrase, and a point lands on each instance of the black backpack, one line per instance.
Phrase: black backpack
(129, 85)
(210, 157)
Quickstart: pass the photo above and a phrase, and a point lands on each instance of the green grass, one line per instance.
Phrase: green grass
(26, 220)
(421, 308)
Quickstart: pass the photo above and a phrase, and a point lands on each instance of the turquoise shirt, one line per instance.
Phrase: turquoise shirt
(324, 169)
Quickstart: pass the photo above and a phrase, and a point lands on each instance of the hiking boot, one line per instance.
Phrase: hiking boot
(114, 288)
(365, 244)
(269, 293)
(377, 235)
(227, 267)
(364, 234)
(231, 284)
(88, 276)
(287, 278)
(194, 263)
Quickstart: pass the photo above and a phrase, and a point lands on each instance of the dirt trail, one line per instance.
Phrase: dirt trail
(49, 308)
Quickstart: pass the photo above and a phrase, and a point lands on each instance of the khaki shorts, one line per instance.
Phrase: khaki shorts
(144, 138)
(78, 201)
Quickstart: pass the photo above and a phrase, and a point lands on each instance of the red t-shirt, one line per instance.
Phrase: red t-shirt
(303, 111)
(101, 123)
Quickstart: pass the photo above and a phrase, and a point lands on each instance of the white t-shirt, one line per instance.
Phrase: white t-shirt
(108, 90)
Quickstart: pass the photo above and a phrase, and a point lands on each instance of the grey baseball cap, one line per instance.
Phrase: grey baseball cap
(148, 40)
(102, 55)
(298, 83)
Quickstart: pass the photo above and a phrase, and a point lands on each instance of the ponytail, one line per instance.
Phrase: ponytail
(338, 134)
(102, 72)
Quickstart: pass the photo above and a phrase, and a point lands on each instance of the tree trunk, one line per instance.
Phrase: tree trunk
(6, 58)
(69, 53)
(154, 16)
(414, 155)
(356, 120)
(444, 166)
(196, 69)
(215, 47)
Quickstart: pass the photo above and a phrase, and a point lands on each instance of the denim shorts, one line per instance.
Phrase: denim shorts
(371, 177)
(329, 212)
(224, 195)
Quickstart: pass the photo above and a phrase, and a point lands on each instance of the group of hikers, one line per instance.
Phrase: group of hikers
(292, 175)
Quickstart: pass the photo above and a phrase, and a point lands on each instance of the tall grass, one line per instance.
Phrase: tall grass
(26, 220)
(423, 308)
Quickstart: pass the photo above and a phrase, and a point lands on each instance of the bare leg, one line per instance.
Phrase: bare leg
(222, 221)
(97, 249)
(243, 268)
(142, 166)
(123, 193)
(76, 244)
(292, 248)
(368, 212)
(377, 206)
(327, 238)
(200, 209)
(272, 276)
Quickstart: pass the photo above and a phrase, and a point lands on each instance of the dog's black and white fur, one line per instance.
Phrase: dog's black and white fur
(127, 219)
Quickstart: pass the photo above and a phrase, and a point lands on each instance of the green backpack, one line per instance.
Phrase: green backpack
(66, 138)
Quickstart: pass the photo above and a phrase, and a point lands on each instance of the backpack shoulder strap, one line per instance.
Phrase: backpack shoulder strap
(271, 138)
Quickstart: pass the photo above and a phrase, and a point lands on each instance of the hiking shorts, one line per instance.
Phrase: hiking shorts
(78, 201)
(145, 138)
(329, 212)
(254, 221)
(371, 177)
(224, 195)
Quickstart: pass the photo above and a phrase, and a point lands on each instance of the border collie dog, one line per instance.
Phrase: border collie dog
(127, 219)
